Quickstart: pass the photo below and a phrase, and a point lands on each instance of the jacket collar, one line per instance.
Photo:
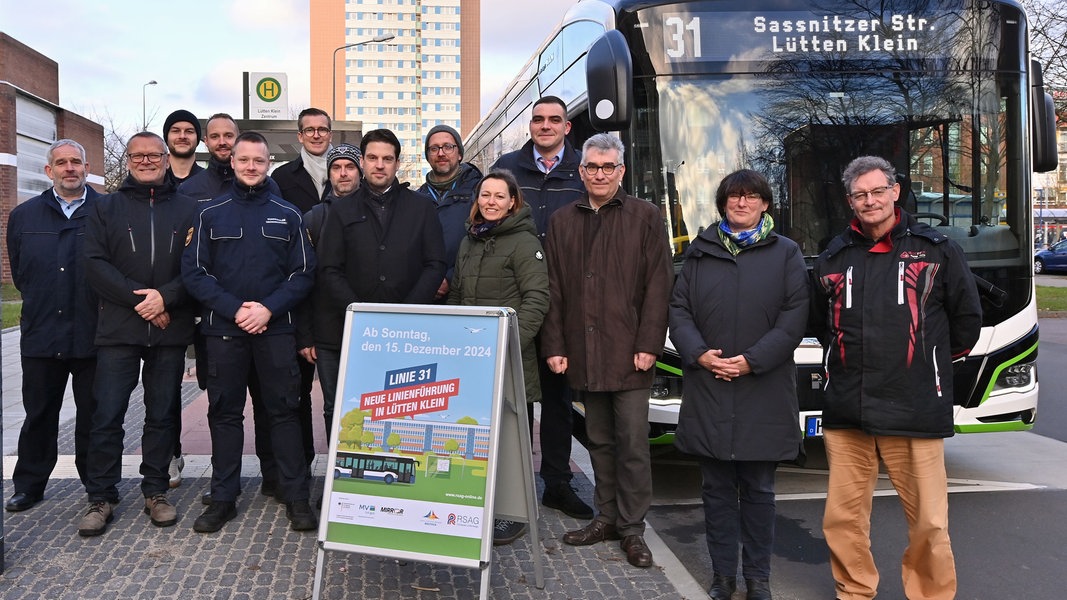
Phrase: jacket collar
(254, 193)
(223, 169)
(141, 191)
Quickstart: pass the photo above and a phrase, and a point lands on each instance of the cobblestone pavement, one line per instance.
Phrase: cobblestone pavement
(256, 556)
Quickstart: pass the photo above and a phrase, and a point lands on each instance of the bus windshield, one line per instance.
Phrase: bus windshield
(951, 129)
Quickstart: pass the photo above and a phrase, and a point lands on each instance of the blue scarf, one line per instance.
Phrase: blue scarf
(736, 241)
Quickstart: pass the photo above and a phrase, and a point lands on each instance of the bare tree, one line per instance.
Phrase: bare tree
(115, 137)
(1048, 43)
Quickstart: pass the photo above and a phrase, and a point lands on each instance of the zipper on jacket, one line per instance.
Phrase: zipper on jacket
(133, 245)
(848, 288)
(152, 226)
(937, 373)
(900, 283)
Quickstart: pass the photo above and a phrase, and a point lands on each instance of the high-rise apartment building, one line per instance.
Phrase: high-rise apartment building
(427, 74)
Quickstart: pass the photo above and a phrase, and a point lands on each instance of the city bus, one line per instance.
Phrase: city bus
(947, 91)
(376, 466)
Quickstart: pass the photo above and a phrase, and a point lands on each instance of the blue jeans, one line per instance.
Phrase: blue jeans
(117, 368)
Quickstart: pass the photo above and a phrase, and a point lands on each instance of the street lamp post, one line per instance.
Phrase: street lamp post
(375, 40)
(144, 105)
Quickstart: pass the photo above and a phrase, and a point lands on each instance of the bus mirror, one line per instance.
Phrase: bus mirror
(1044, 123)
(609, 79)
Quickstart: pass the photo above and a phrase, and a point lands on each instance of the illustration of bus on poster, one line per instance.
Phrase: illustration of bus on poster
(413, 433)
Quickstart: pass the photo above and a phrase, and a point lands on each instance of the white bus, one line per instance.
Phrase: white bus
(795, 89)
(377, 466)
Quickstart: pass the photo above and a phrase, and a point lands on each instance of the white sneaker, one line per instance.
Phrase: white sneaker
(176, 465)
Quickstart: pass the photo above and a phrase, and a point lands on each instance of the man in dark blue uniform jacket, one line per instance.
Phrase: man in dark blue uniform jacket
(249, 265)
(45, 236)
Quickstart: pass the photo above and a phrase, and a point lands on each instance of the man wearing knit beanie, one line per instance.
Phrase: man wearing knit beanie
(181, 130)
(451, 184)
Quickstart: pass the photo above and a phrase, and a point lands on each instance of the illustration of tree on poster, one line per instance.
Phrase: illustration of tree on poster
(412, 444)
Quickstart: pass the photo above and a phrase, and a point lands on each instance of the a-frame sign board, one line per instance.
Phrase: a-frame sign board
(429, 439)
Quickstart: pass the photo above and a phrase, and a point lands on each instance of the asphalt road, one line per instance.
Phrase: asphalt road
(1008, 506)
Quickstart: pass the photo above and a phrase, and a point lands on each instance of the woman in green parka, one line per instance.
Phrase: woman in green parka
(501, 263)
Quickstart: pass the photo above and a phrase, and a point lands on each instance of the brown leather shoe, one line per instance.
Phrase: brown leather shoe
(637, 553)
(595, 532)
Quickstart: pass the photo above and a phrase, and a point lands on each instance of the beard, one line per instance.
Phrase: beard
(179, 154)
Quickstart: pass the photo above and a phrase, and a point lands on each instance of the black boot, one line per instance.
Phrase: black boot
(758, 589)
(722, 587)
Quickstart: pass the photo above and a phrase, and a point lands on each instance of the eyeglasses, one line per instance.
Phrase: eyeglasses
(750, 197)
(591, 169)
(446, 148)
(877, 193)
(140, 157)
(310, 131)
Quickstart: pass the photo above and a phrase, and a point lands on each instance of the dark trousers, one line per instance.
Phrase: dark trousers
(556, 423)
(267, 465)
(617, 426)
(44, 382)
(117, 369)
(328, 364)
(232, 363)
(739, 508)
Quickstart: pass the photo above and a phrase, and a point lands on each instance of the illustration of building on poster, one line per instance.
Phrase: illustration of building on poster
(413, 440)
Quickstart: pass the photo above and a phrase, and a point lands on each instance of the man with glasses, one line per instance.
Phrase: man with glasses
(610, 278)
(304, 182)
(895, 306)
(45, 240)
(451, 184)
(133, 247)
(546, 168)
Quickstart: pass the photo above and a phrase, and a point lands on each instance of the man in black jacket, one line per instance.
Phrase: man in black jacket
(316, 328)
(181, 130)
(547, 170)
(382, 244)
(304, 183)
(45, 238)
(133, 251)
(896, 298)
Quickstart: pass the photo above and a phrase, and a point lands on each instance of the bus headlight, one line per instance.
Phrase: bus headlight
(666, 386)
(1019, 375)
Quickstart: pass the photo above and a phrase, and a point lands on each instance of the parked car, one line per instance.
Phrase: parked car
(1053, 258)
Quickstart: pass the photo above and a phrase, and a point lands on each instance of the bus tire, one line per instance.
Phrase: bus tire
(389, 478)
(337, 473)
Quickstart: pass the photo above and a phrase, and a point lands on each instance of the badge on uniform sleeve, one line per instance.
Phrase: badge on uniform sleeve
(539, 255)
(189, 237)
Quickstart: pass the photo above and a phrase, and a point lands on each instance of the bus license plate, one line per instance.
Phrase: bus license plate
(813, 427)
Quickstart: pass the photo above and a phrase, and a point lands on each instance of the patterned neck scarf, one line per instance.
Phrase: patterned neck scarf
(484, 229)
(737, 241)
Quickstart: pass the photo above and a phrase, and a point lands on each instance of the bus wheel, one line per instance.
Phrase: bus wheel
(389, 479)
(337, 473)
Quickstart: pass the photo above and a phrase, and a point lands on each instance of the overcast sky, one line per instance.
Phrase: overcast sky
(198, 49)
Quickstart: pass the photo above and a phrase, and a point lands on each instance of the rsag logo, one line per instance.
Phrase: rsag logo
(463, 520)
